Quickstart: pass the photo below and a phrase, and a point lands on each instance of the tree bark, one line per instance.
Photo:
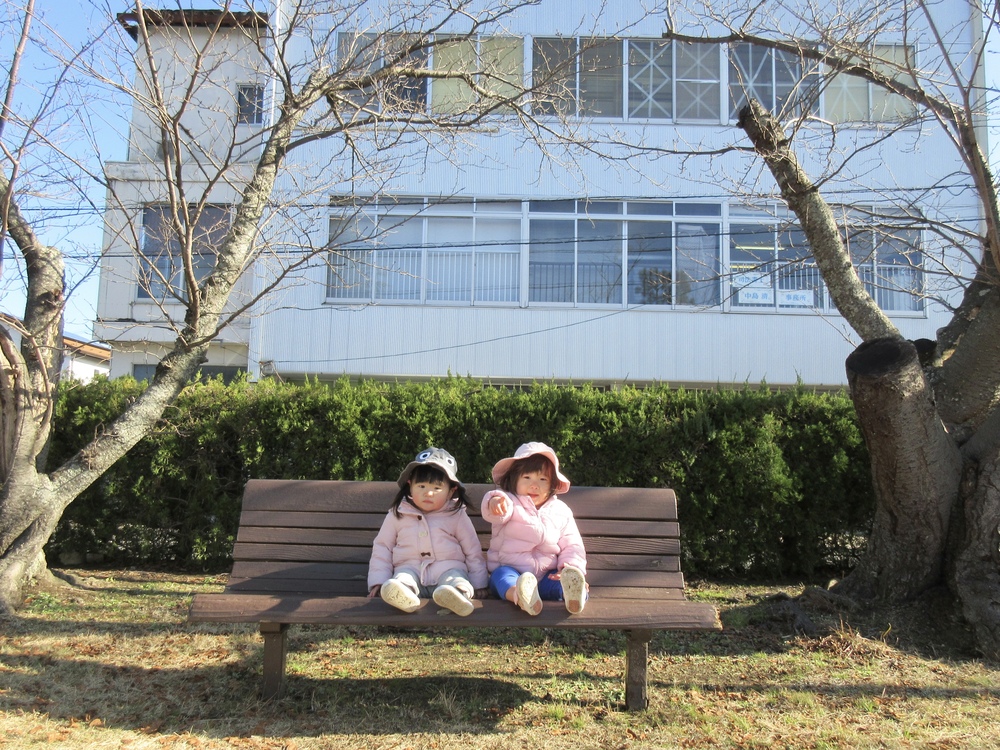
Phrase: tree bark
(974, 563)
(916, 468)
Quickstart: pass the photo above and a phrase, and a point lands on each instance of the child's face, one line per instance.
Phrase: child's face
(431, 494)
(535, 484)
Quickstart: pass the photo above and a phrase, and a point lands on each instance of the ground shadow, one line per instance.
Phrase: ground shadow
(221, 700)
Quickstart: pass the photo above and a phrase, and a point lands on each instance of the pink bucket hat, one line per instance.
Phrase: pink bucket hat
(530, 449)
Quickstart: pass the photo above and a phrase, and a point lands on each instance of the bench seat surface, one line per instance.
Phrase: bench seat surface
(302, 550)
(354, 610)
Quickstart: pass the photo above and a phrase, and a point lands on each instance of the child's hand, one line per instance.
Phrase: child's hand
(498, 504)
(374, 590)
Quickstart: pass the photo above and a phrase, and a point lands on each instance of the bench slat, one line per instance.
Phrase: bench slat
(302, 553)
(364, 538)
(316, 575)
(372, 522)
(616, 614)
(334, 588)
(361, 497)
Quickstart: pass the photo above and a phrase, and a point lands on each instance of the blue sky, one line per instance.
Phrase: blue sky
(75, 21)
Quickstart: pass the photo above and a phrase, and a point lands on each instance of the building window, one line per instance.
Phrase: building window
(496, 63)
(617, 253)
(577, 77)
(434, 253)
(653, 258)
(697, 83)
(553, 75)
(161, 265)
(771, 264)
(600, 77)
(778, 80)
(772, 267)
(650, 79)
(697, 263)
(206, 372)
(376, 57)
(577, 253)
(250, 104)
(889, 263)
(650, 262)
(849, 98)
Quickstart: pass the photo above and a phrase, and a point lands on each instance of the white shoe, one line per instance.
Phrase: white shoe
(574, 587)
(527, 594)
(400, 597)
(451, 598)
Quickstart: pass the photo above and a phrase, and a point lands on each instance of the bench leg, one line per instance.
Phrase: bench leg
(275, 648)
(636, 658)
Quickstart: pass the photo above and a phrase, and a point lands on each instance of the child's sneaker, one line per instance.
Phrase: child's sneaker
(400, 597)
(527, 594)
(451, 598)
(574, 587)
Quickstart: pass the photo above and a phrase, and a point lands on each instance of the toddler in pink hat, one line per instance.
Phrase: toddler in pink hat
(536, 552)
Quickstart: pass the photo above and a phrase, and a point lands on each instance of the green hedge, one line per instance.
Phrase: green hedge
(770, 483)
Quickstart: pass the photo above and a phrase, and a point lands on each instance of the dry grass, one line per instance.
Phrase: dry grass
(117, 666)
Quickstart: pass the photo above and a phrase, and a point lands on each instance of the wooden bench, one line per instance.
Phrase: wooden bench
(302, 550)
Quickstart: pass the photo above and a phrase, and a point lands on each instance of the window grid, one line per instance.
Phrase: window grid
(623, 79)
(250, 104)
(604, 253)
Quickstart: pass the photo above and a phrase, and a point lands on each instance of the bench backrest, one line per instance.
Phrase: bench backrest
(315, 537)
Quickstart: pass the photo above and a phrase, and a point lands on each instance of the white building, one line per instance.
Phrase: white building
(486, 254)
(82, 360)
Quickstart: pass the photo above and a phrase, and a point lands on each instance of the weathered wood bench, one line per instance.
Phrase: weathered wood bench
(302, 550)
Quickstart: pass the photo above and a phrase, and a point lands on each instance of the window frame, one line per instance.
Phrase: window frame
(161, 270)
(250, 109)
(488, 57)
(796, 95)
(366, 53)
(874, 113)
(423, 272)
(680, 245)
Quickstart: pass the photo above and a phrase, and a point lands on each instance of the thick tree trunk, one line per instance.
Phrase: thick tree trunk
(974, 565)
(34, 511)
(916, 468)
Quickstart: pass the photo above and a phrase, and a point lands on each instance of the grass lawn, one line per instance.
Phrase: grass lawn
(113, 664)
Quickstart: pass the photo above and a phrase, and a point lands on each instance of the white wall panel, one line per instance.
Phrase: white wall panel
(593, 345)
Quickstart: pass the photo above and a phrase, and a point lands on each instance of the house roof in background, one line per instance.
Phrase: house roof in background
(185, 18)
(72, 346)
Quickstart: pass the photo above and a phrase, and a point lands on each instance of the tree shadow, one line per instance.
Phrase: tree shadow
(221, 700)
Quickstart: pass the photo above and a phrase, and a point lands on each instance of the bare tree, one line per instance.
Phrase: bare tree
(928, 409)
(216, 189)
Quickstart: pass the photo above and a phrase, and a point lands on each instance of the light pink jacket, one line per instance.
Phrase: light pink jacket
(533, 540)
(429, 544)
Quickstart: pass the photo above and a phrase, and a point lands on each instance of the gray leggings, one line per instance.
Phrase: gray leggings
(455, 577)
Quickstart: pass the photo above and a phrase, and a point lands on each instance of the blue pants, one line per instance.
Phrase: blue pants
(505, 576)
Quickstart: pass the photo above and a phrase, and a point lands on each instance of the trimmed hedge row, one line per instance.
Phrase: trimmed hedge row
(770, 484)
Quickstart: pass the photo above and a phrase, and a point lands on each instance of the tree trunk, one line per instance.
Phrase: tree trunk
(974, 565)
(23, 559)
(916, 468)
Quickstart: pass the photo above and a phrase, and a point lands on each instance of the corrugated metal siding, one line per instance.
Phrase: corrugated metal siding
(578, 345)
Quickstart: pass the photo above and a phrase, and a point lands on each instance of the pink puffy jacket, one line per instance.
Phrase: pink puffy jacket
(533, 540)
(428, 543)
